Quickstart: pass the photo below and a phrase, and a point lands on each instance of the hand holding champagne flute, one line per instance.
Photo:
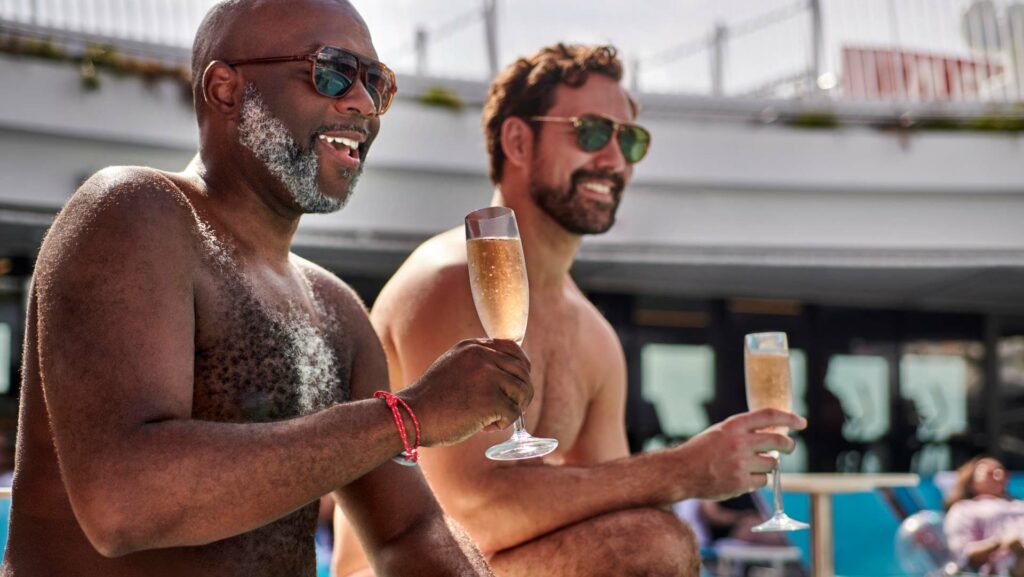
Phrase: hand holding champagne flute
(766, 360)
(501, 293)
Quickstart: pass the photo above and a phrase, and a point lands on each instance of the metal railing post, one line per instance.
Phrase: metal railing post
(815, 70)
(899, 70)
(634, 75)
(1015, 27)
(718, 40)
(421, 51)
(491, 31)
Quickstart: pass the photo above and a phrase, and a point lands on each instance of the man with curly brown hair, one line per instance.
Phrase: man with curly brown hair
(563, 143)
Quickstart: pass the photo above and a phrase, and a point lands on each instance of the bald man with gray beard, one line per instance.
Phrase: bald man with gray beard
(191, 387)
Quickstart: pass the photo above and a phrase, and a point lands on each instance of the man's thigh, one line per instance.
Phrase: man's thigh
(641, 542)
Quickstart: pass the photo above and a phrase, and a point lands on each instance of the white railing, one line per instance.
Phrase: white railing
(859, 50)
(882, 50)
(167, 22)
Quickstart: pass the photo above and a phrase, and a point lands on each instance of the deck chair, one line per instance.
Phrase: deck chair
(731, 558)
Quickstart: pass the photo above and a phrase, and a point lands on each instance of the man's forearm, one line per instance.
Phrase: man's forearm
(506, 506)
(185, 482)
(509, 506)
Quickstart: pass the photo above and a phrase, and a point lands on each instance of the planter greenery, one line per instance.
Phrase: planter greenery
(814, 120)
(442, 97)
(95, 58)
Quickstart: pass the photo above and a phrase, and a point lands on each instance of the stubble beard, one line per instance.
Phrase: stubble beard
(296, 169)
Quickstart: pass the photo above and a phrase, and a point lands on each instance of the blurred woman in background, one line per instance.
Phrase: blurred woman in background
(984, 525)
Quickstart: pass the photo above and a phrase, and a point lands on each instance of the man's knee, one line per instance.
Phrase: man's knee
(634, 542)
(666, 545)
(645, 542)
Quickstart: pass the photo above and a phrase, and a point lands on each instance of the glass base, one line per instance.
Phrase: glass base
(780, 522)
(521, 447)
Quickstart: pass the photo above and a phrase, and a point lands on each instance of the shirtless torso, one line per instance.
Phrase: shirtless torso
(576, 357)
(521, 520)
(589, 508)
(268, 347)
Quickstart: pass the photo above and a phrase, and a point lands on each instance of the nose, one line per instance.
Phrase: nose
(611, 160)
(610, 157)
(357, 100)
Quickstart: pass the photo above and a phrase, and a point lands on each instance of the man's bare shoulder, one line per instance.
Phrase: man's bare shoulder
(430, 288)
(441, 254)
(120, 208)
(434, 274)
(121, 188)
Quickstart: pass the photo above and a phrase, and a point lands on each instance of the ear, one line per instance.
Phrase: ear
(222, 87)
(517, 141)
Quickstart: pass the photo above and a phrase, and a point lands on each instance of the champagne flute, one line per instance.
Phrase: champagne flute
(766, 359)
(501, 293)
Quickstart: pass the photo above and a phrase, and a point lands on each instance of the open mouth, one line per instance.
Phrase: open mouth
(600, 190)
(343, 148)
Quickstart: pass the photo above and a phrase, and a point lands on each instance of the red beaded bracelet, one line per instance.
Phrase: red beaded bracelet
(411, 454)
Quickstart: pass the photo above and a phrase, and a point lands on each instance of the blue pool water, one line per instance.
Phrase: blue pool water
(865, 526)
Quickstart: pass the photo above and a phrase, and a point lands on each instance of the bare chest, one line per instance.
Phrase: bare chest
(265, 355)
(262, 355)
(563, 379)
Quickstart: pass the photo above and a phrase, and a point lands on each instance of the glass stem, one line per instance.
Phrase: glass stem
(777, 485)
(519, 429)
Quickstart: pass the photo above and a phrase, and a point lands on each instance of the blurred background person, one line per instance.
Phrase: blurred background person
(984, 525)
(730, 521)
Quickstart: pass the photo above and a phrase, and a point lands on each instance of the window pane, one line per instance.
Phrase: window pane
(796, 462)
(938, 379)
(937, 384)
(679, 380)
(861, 382)
(798, 380)
(1011, 363)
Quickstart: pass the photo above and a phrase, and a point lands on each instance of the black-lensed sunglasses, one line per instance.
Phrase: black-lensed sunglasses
(334, 72)
(594, 132)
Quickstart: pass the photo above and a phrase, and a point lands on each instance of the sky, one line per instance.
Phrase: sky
(758, 53)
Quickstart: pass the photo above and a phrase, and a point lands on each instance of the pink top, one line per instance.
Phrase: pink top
(982, 517)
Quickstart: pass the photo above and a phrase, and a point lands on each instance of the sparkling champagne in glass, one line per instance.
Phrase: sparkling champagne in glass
(766, 359)
(501, 293)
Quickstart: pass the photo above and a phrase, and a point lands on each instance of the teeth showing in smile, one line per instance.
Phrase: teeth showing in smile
(598, 188)
(352, 145)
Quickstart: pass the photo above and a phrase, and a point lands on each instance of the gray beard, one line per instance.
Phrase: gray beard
(296, 169)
